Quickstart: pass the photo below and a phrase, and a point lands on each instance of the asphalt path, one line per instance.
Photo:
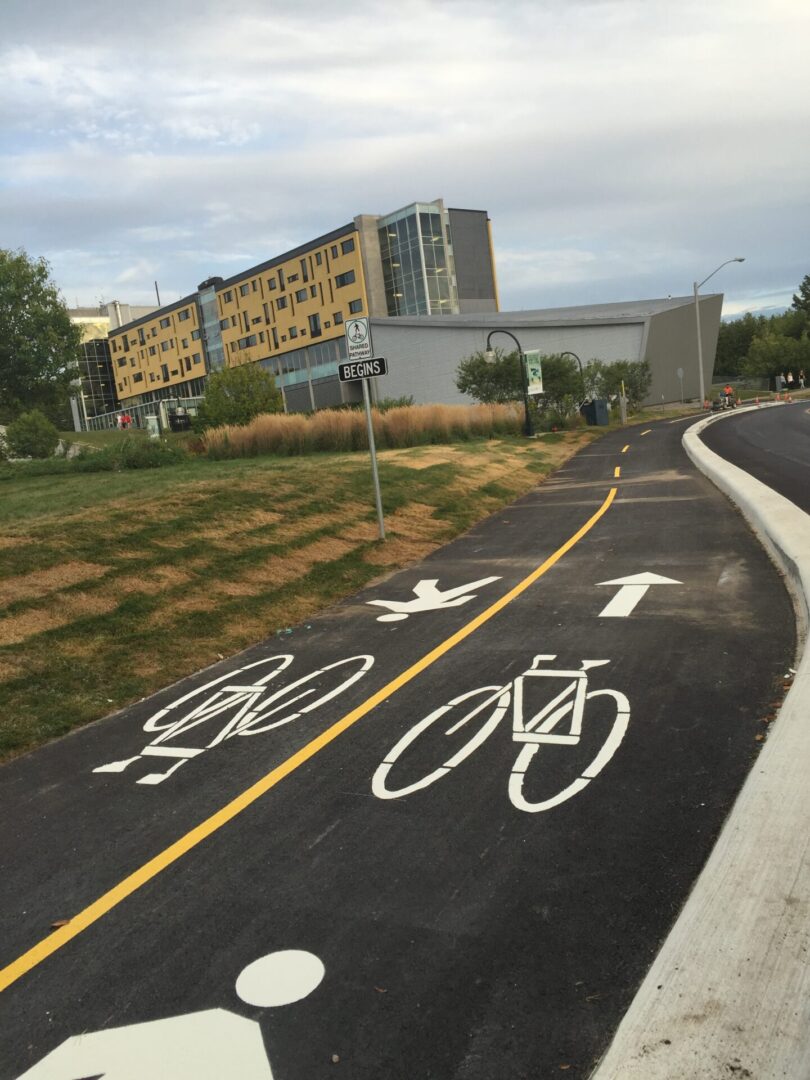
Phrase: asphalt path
(771, 444)
(478, 901)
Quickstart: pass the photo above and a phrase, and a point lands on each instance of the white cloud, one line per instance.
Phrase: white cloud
(620, 146)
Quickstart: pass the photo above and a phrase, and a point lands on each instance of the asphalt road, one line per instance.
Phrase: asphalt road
(474, 898)
(771, 444)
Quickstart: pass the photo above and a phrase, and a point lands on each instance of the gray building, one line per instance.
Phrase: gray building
(423, 353)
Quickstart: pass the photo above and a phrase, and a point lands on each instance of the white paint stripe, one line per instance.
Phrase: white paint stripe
(623, 602)
(728, 991)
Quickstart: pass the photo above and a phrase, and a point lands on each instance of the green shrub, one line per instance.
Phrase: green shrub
(32, 435)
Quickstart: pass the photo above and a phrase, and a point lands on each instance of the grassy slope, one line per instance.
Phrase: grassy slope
(115, 584)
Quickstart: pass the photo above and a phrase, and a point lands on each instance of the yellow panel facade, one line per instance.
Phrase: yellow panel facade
(292, 303)
(163, 350)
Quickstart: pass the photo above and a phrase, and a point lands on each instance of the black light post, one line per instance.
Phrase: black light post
(528, 429)
(581, 372)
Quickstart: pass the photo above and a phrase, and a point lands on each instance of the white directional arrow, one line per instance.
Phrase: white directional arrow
(631, 591)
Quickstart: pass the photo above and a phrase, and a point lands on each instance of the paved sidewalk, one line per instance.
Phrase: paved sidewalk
(729, 993)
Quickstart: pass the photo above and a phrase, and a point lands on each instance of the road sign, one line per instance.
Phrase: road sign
(362, 369)
(358, 339)
(534, 372)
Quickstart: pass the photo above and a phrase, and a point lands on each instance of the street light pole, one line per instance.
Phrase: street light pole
(696, 286)
(528, 429)
(581, 372)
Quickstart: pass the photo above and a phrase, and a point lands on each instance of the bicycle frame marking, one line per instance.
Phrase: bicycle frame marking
(247, 708)
(529, 735)
(98, 908)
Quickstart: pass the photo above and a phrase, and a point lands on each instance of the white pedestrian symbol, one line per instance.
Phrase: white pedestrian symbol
(429, 598)
(208, 1045)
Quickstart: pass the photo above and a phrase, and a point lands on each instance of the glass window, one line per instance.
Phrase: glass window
(355, 306)
(244, 289)
(301, 295)
(313, 290)
(293, 331)
(184, 343)
(281, 279)
(141, 337)
(197, 358)
(183, 315)
(345, 279)
(164, 324)
(304, 271)
(334, 251)
(224, 324)
(315, 325)
(271, 283)
(282, 301)
(337, 318)
(195, 335)
(152, 350)
(291, 278)
(318, 258)
(347, 246)
(227, 297)
(165, 346)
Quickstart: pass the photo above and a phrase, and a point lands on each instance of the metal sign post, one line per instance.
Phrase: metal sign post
(373, 451)
(363, 365)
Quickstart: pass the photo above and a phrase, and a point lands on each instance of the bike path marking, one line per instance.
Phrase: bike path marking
(130, 884)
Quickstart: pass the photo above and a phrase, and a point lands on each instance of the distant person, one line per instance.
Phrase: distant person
(790, 381)
(728, 394)
(801, 379)
(120, 421)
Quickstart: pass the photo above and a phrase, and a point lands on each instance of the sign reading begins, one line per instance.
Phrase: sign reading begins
(362, 369)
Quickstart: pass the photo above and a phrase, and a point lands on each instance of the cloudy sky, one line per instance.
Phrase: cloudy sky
(623, 148)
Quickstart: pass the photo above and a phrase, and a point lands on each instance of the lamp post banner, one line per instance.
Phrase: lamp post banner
(534, 372)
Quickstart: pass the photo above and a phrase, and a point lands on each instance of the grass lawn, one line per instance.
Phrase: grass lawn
(113, 585)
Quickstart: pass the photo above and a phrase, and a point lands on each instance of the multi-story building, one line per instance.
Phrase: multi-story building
(287, 313)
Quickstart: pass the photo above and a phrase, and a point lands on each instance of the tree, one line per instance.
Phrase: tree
(772, 354)
(636, 375)
(487, 381)
(801, 300)
(32, 435)
(236, 395)
(39, 346)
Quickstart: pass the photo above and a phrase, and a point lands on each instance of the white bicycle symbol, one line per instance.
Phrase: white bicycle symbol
(246, 706)
(530, 734)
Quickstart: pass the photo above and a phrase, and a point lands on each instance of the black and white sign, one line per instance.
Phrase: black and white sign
(358, 339)
(362, 369)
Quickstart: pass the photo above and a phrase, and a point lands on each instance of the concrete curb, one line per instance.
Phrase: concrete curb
(729, 993)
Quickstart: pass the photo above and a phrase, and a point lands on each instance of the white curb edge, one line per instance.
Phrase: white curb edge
(729, 993)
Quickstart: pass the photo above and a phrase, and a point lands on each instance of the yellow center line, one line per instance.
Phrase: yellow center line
(617, 472)
(625, 448)
(105, 903)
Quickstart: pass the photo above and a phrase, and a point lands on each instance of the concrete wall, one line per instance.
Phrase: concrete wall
(423, 360)
(672, 345)
(473, 260)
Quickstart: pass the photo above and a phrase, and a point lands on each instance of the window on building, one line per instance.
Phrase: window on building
(271, 283)
(313, 290)
(355, 306)
(304, 271)
(344, 279)
(256, 321)
(233, 320)
(137, 377)
(195, 335)
(187, 362)
(347, 246)
(318, 258)
(261, 335)
(244, 289)
(152, 350)
(275, 338)
(291, 278)
(334, 251)
(182, 315)
(281, 302)
(122, 361)
(165, 346)
(227, 296)
(281, 284)
(151, 376)
(315, 325)
(185, 343)
(164, 371)
(293, 331)
(154, 331)
(165, 323)
(141, 337)
(337, 318)
(254, 285)
(197, 358)
(246, 318)
(126, 343)
(301, 295)
(224, 324)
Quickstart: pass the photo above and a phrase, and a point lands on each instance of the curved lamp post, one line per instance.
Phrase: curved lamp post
(489, 353)
(581, 372)
(697, 285)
